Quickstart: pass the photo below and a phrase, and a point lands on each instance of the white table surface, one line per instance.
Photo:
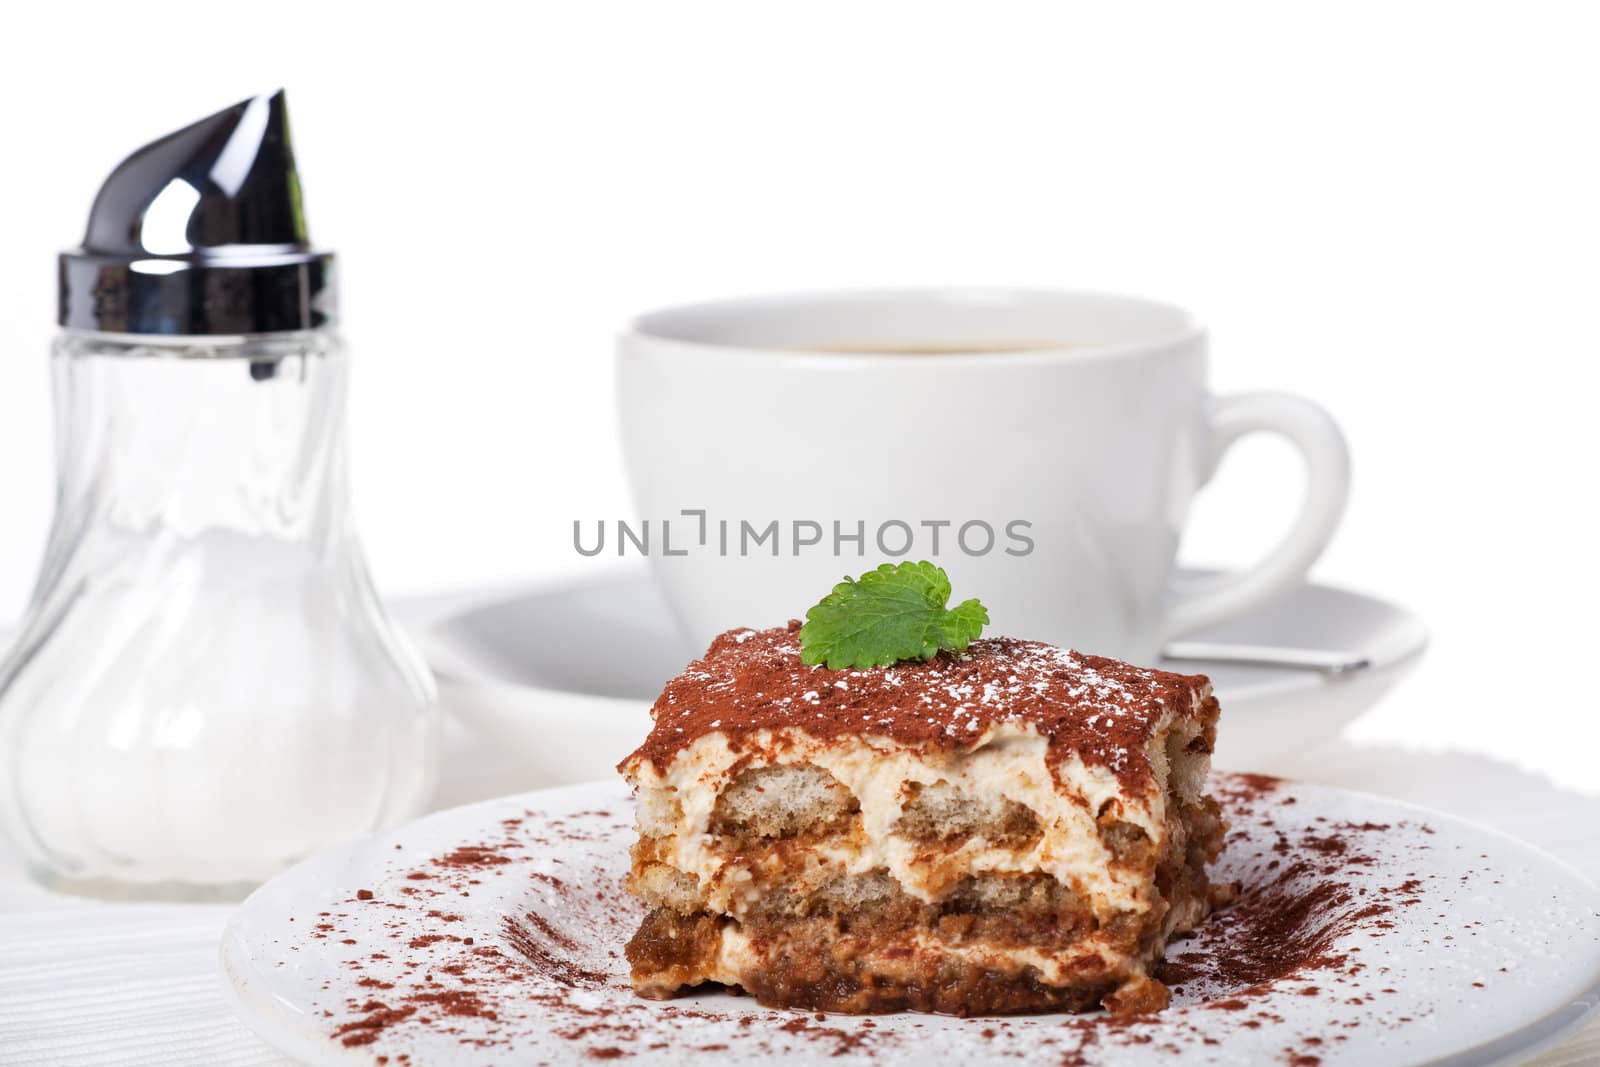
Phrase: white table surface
(83, 982)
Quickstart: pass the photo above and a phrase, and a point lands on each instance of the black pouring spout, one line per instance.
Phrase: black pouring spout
(202, 232)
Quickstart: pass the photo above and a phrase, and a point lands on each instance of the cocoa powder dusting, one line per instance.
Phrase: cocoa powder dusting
(553, 966)
(546, 956)
(1102, 710)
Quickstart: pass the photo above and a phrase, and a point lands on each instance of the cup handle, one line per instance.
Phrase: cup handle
(1327, 459)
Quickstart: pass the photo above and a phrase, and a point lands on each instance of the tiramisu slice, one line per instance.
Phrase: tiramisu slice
(1010, 827)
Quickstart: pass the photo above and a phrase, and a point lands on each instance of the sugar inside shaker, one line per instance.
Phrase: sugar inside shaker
(205, 687)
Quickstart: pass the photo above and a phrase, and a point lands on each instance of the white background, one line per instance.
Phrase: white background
(1389, 207)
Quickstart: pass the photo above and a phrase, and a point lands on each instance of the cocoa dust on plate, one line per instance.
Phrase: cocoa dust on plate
(1297, 926)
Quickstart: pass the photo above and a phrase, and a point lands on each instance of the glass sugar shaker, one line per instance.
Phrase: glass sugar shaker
(205, 687)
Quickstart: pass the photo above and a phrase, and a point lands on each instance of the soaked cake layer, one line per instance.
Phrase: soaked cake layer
(719, 815)
(994, 943)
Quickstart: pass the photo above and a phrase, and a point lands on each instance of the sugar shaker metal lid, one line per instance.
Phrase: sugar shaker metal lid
(202, 232)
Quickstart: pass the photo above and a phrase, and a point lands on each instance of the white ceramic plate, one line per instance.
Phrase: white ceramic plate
(565, 674)
(493, 933)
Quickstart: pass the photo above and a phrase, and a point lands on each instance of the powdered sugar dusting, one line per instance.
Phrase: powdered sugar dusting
(1098, 709)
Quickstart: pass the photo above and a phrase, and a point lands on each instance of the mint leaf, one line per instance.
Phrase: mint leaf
(894, 613)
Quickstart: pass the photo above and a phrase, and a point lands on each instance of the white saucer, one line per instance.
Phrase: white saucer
(1367, 933)
(564, 674)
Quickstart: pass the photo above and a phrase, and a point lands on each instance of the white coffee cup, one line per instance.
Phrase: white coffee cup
(1083, 415)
